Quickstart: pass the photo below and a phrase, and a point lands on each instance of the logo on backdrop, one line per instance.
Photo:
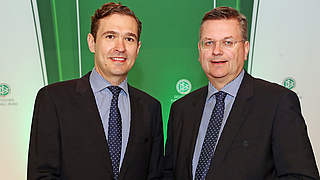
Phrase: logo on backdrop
(183, 86)
(5, 96)
(4, 89)
(289, 83)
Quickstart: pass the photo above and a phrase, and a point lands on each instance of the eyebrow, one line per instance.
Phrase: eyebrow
(132, 34)
(109, 32)
(228, 37)
(127, 34)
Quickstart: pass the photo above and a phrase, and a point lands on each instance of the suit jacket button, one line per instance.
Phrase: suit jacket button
(245, 143)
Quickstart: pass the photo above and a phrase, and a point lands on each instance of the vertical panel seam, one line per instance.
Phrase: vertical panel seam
(55, 23)
(254, 36)
(39, 41)
(79, 40)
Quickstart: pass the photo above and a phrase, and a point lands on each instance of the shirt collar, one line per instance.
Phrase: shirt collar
(98, 83)
(231, 88)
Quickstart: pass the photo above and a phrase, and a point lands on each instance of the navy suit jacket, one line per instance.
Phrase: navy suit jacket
(67, 139)
(265, 136)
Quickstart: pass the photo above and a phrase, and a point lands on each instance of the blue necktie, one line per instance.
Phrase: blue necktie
(115, 131)
(211, 137)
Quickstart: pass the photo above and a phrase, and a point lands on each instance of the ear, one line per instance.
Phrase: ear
(91, 43)
(138, 48)
(246, 49)
(199, 48)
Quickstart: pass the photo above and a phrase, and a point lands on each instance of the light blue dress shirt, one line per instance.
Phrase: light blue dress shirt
(103, 98)
(231, 89)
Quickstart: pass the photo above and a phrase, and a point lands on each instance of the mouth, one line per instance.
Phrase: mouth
(118, 59)
(219, 61)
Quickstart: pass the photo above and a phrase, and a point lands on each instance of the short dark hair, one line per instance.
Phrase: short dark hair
(228, 13)
(110, 9)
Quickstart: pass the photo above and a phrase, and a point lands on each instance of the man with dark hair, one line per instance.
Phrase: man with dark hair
(238, 127)
(99, 127)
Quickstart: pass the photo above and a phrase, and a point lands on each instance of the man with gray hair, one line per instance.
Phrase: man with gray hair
(237, 127)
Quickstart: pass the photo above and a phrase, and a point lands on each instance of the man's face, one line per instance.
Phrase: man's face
(222, 64)
(116, 47)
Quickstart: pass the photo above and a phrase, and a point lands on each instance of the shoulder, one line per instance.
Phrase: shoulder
(270, 92)
(269, 88)
(60, 87)
(141, 95)
(66, 88)
(195, 96)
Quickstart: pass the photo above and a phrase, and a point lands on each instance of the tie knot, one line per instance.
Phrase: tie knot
(115, 90)
(220, 96)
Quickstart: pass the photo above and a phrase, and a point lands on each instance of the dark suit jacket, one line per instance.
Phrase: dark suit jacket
(68, 142)
(265, 136)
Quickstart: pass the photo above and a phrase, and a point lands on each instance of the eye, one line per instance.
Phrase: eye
(130, 39)
(228, 43)
(208, 43)
(110, 36)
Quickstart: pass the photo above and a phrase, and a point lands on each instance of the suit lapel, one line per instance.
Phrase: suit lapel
(195, 115)
(134, 125)
(87, 98)
(235, 120)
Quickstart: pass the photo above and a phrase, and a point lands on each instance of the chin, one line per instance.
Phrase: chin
(218, 75)
(119, 73)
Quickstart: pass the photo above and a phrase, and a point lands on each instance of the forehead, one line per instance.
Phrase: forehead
(219, 29)
(118, 23)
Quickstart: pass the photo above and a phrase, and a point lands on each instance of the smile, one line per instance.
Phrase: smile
(218, 62)
(118, 59)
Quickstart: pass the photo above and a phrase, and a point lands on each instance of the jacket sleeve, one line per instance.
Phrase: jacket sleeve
(156, 157)
(292, 151)
(44, 148)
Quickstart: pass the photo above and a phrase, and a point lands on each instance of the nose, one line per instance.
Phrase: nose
(217, 50)
(120, 45)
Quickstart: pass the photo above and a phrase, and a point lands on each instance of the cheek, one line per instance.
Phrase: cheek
(133, 55)
(230, 55)
(105, 47)
(99, 49)
(203, 57)
(133, 52)
(204, 64)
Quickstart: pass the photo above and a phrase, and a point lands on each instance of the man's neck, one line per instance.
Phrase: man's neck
(219, 83)
(115, 81)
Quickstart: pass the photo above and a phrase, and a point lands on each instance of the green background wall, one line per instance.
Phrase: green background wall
(169, 53)
(169, 42)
